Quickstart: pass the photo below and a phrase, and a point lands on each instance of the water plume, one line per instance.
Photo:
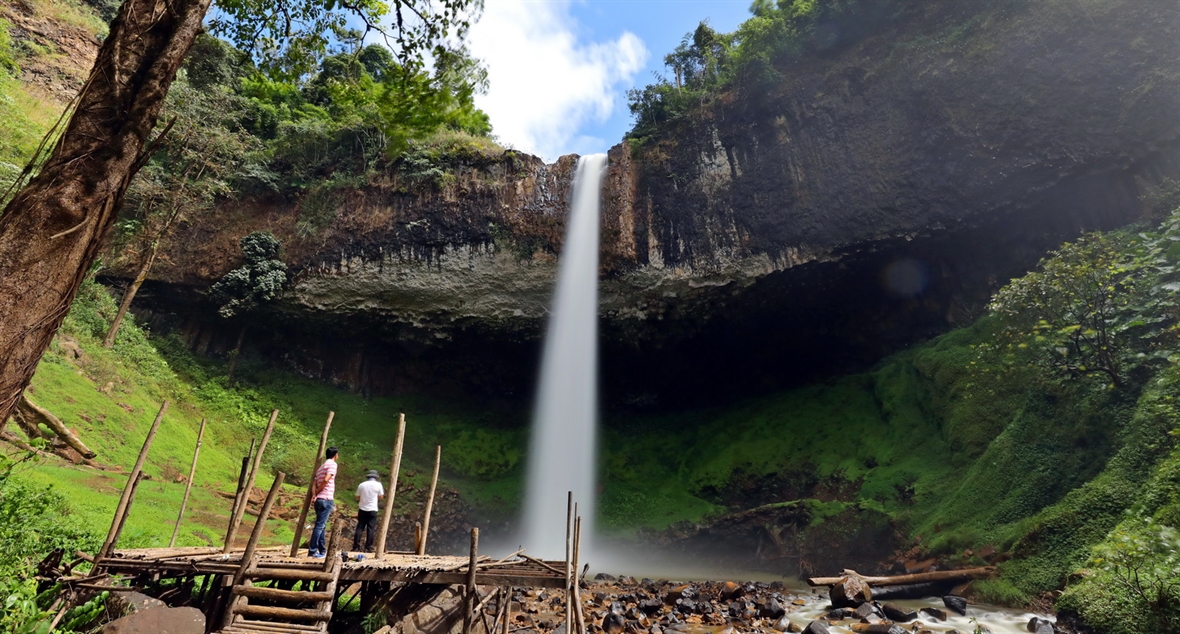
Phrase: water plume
(562, 451)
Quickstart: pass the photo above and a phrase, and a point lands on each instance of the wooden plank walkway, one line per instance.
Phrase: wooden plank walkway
(393, 567)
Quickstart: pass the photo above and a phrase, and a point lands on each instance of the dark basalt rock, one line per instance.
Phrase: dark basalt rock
(613, 623)
(898, 613)
(815, 627)
(771, 609)
(935, 613)
(956, 604)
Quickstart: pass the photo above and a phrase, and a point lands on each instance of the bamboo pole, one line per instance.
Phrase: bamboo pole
(236, 520)
(123, 520)
(430, 501)
(319, 457)
(246, 460)
(469, 600)
(507, 610)
(125, 499)
(252, 544)
(391, 492)
(579, 616)
(569, 545)
(188, 487)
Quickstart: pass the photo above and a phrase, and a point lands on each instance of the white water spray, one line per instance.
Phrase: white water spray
(562, 452)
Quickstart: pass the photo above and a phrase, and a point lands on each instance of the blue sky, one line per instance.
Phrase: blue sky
(560, 69)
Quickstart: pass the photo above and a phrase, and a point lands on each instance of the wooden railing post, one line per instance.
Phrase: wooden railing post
(132, 480)
(236, 520)
(391, 492)
(188, 487)
(430, 501)
(469, 601)
(319, 457)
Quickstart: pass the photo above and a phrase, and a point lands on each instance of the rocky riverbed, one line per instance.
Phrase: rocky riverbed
(646, 606)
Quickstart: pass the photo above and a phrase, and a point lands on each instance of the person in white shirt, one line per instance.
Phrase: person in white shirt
(367, 494)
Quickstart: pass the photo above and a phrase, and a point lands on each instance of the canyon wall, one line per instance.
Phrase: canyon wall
(874, 194)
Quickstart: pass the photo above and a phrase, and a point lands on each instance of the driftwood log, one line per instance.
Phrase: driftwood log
(964, 574)
(852, 589)
(43, 416)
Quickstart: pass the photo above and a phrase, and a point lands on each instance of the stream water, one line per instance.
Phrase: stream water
(562, 449)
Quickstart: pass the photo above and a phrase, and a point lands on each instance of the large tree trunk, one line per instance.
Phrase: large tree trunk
(54, 227)
(129, 294)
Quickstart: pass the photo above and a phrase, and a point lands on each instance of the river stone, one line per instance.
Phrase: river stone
(815, 627)
(730, 590)
(898, 613)
(934, 613)
(602, 576)
(159, 621)
(782, 625)
(1037, 625)
(850, 592)
(771, 609)
(956, 604)
(866, 610)
(613, 623)
(651, 606)
(839, 614)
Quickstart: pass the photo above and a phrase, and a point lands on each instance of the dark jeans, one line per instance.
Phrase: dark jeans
(365, 521)
(323, 509)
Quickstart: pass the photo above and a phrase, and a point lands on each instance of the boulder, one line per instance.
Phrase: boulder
(602, 576)
(934, 613)
(866, 610)
(839, 614)
(771, 609)
(898, 613)
(815, 627)
(955, 604)
(1037, 625)
(731, 590)
(878, 628)
(613, 623)
(651, 606)
(132, 602)
(850, 592)
(782, 625)
(159, 621)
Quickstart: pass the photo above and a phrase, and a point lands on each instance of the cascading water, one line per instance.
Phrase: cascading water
(562, 452)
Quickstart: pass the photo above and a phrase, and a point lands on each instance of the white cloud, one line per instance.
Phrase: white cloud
(545, 83)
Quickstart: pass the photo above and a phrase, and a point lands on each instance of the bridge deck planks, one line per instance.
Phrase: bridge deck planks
(394, 567)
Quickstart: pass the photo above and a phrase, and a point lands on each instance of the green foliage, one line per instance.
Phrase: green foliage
(34, 521)
(200, 160)
(1100, 305)
(289, 37)
(707, 63)
(261, 279)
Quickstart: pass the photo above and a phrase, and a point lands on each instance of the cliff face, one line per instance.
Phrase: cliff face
(873, 195)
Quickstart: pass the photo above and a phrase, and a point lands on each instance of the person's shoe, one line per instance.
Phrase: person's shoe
(320, 555)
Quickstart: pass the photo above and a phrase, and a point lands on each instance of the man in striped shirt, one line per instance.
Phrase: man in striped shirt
(325, 492)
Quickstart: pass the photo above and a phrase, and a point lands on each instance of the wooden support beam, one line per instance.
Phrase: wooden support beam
(188, 487)
(284, 613)
(334, 541)
(307, 499)
(469, 599)
(236, 521)
(132, 479)
(430, 501)
(391, 491)
(285, 574)
(274, 594)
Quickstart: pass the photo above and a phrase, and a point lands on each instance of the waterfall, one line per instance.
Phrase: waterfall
(562, 451)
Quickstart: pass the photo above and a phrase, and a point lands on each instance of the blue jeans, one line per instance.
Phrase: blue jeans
(323, 509)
